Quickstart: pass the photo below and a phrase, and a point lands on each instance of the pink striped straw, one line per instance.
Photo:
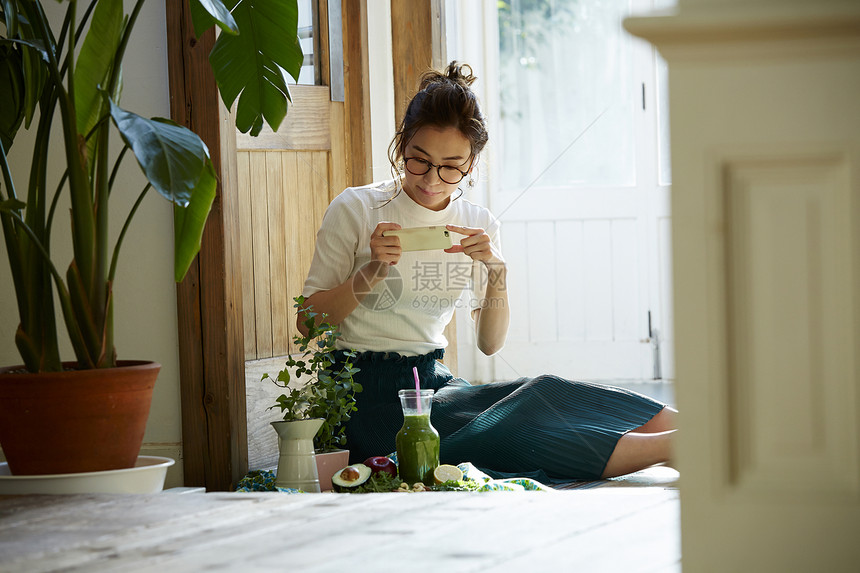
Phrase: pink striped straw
(417, 387)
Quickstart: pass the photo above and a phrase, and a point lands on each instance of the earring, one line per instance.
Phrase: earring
(471, 182)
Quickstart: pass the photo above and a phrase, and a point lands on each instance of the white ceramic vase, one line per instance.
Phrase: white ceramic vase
(297, 466)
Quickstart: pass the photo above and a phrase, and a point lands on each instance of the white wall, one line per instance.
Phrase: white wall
(145, 308)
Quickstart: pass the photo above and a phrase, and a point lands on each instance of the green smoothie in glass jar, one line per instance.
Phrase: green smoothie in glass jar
(417, 441)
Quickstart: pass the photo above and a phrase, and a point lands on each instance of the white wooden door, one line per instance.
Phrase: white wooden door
(585, 213)
(579, 285)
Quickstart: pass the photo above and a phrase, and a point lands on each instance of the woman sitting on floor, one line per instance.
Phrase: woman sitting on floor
(544, 426)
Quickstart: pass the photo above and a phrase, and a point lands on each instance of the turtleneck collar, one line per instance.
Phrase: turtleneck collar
(423, 215)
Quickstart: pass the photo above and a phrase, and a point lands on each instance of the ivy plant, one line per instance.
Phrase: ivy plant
(322, 387)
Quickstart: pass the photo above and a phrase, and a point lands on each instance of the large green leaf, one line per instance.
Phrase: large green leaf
(273, 99)
(204, 13)
(11, 95)
(173, 157)
(37, 44)
(95, 62)
(251, 63)
(10, 15)
(34, 58)
(188, 223)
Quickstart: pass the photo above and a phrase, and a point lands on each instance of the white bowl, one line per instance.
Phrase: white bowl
(147, 476)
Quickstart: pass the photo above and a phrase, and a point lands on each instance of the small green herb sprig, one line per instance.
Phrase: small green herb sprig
(382, 482)
(326, 392)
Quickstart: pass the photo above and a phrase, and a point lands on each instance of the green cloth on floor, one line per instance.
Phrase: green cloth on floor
(262, 480)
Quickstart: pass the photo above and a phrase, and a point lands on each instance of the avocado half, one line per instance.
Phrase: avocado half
(350, 477)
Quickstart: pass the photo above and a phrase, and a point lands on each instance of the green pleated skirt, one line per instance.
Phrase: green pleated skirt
(546, 428)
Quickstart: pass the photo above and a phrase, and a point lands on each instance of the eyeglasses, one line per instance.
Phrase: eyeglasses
(447, 173)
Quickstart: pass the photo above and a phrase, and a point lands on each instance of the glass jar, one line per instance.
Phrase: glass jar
(417, 441)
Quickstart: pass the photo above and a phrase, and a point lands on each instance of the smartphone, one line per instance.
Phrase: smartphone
(422, 238)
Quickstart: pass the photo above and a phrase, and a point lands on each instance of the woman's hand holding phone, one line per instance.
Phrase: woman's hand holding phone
(476, 244)
(383, 248)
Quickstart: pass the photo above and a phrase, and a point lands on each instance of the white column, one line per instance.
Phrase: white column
(766, 245)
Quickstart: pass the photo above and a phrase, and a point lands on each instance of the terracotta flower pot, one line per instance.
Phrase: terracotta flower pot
(328, 463)
(76, 420)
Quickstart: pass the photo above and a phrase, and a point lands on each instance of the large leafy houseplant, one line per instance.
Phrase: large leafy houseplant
(62, 80)
(322, 387)
(71, 74)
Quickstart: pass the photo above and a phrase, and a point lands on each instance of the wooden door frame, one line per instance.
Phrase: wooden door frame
(416, 46)
(209, 300)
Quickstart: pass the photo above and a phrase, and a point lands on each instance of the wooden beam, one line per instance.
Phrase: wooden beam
(209, 300)
(356, 93)
(412, 48)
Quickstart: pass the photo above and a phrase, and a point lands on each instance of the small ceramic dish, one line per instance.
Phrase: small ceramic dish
(147, 476)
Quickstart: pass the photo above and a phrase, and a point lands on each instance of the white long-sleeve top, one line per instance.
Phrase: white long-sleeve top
(407, 311)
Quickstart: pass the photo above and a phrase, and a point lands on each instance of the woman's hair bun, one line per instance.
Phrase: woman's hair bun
(457, 73)
(460, 73)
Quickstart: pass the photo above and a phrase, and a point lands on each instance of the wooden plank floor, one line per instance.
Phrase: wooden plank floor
(625, 529)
